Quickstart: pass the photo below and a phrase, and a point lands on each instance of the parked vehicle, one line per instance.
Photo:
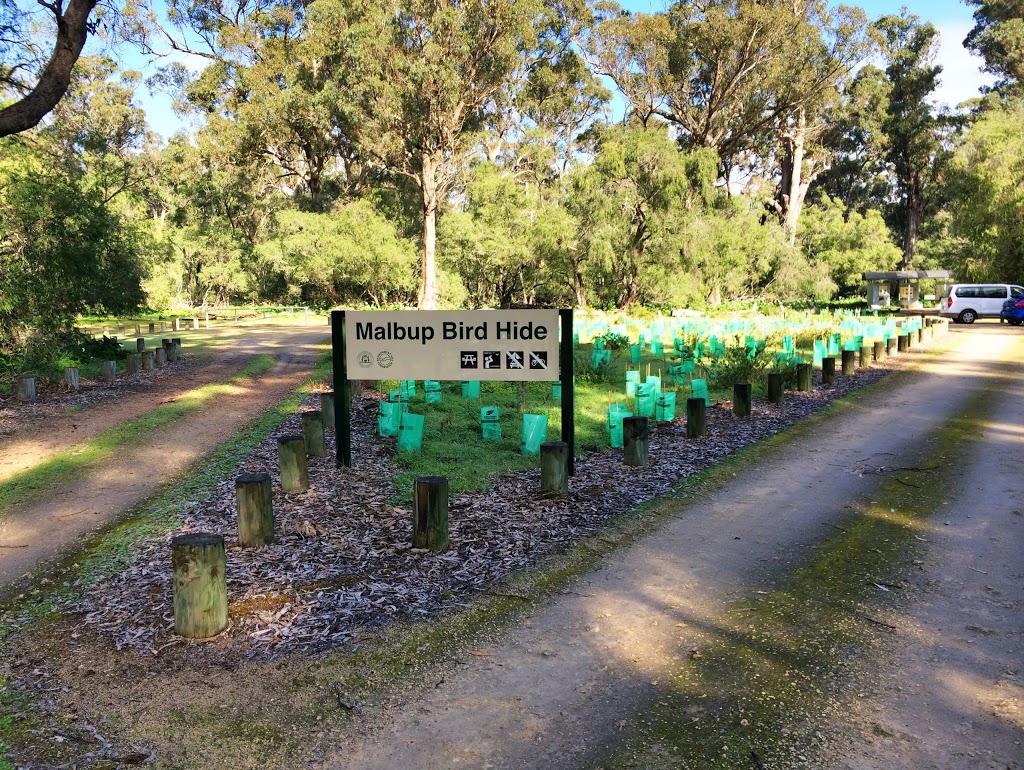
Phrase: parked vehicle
(967, 302)
(1013, 311)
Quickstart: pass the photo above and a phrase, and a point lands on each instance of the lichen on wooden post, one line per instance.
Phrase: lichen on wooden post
(804, 375)
(108, 370)
(696, 417)
(554, 468)
(25, 388)
(327, 408)
(255, 501)
(140, 344)
(71, 377)
(865, 356)
(161, 358)
(131, 363)
(636, 441)
(890, 346)
(200, 585)
(849, 362)
(878, 351)
(742, 399)
(313, 433)
(147, 360)
(291, 455)
(828, 370)
(776, 387)
(903, 343)
(430, 513)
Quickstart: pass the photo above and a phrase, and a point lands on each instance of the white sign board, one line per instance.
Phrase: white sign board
(508, 345)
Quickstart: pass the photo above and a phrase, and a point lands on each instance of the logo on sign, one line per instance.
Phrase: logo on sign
(385, 359)
(365, 359)
(492, 359)
(469, 359)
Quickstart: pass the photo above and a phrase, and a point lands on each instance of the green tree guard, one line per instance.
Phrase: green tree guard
(849, 362)
(313, 433)
(255, 501)
(291, 456)
(828, 370)
(327, 408)
(742, 398)
(535, 430)
(804, 380)
(554, 468)
(410, 432)
(776, 389)
(430, 513)
(490, 423)
(432, 392)
(636, 440)
(471, 389)
(200, 585)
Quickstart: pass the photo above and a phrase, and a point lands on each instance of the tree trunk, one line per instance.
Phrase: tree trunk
(794, 183)
(913, 224)
(428, 285)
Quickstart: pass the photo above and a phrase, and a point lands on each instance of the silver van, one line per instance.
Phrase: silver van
(967, 302)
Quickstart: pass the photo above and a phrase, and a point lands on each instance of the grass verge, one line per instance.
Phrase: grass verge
(69, 464)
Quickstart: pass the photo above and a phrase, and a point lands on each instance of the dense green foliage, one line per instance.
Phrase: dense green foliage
(462, 154)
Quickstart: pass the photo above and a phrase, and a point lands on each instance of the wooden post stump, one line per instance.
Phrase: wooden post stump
(828, 370)
(195, 323)
(71, 377)
(140, 344)
(696, 417)
(175, 324)
(849, 362)
(902, 343)
(147, 361)
(313, 433)
(163, 326)
(200, 585)
(865, 356)
(291, 455)
(161, 358)
(554, 468)
(327, 408)
(355, 390)
(25, 388)
(636, 441)
(108, 370)
(254, 497)
(804, 379)
(152, 328)
(742, 399)
(890, 346)
(138, 330)
(131, 363)
(879, 350)
(919, 336)
(430, 513)
(776, 387)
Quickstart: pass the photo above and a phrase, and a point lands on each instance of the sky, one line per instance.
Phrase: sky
(961, 76)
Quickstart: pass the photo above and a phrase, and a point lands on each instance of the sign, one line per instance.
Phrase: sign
(508, 345)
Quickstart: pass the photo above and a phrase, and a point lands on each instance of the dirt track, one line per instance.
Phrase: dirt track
(559, 690)
(50, 525)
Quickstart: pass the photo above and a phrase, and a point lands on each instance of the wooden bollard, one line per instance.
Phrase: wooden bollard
(776, 387)
(313, 433)
(152, 328)
(865, 356)
(327, 408)
(138, 330)
(200, 585)
(554, 468)
(108, 370)
(696, 417)
(879, 350)
(890, 346)
(131, 363)
(291, 455)
(174, 352)
(160, 358)
(920, 336)
(71, 377)
(742, 399)
(140, 344)
(804, 374)
(25, 388)
(430, 513)
(175, 324)
(828, 370)
(195, 323)
(636, 441)
(902, 343)
(147, 360)
(849, 362)
(254, 497)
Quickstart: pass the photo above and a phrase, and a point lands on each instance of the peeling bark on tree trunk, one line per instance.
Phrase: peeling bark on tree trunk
(913, 225)
(794, 183)
(428, 286)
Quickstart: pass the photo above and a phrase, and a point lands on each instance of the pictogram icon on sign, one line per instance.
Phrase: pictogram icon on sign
(385, 359)
(469, 359)
(538, 359)
(492, 359)
(366, 359)
(514, 359)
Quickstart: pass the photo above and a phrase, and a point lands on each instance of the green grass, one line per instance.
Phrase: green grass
(70, 463)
